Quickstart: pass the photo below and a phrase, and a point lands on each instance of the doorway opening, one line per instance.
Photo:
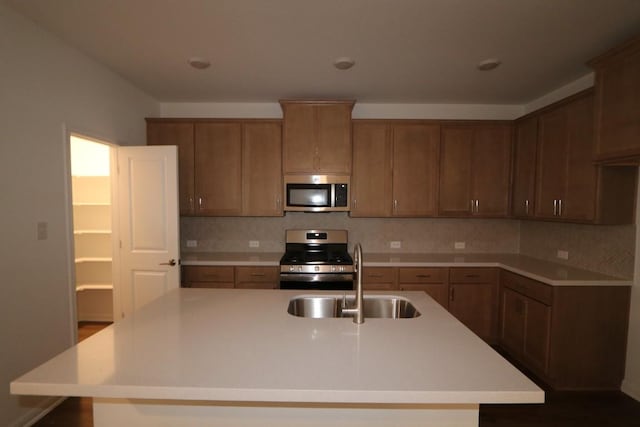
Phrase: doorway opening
(91, 189)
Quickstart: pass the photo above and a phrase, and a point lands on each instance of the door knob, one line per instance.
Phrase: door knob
(171, 262)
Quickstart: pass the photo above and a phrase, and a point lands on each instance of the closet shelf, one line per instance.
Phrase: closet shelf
(93, 259)
(92, 231)
(94, 286)
(92, 204)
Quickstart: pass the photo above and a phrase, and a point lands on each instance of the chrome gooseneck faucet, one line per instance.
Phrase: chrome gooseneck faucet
(358, 310)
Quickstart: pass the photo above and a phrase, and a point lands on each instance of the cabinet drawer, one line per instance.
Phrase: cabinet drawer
(257, 274)
(208, 274)
(378, 275)
(529, 287)
(422, 275)
(473, 275)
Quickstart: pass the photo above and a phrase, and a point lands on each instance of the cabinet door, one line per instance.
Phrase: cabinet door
(218, 169)
(491, 170)
(299, 148)
(180, 134)
(524, 167)
(455, 171)
(537, 335)
(552, 162)
(333, 138)
(618, 104)
(261, 169)
(473, 304)
(513, 321)
(371, 180)
(579, 200)
(415, 169)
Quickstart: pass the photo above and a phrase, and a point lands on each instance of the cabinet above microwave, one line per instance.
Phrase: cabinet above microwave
(316, 193)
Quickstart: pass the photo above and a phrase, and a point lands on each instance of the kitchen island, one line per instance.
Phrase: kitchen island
(232, 357)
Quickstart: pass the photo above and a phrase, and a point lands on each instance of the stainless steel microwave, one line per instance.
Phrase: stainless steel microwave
(316, 193)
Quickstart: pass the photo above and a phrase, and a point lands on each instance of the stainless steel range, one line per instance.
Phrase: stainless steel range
(316, 259)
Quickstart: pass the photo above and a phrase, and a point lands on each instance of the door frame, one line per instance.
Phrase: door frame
(67, 132)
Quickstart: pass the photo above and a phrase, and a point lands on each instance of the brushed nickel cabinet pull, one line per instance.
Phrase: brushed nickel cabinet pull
(559, 207)
(526, 207)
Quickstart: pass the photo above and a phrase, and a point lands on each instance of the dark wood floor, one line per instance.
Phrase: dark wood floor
(562, 409)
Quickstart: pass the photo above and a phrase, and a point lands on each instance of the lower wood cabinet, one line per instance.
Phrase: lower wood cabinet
(208, 277)
(241, 277)
(573, 337)
(432, 280)
(473, 299)
(257, 277)
(380, 278)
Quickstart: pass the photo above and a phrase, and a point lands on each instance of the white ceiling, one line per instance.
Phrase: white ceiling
(406, 51)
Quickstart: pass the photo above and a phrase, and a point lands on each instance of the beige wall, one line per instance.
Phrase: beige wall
(46, 86)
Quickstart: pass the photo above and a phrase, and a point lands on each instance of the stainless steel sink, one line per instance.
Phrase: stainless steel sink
(375, 306)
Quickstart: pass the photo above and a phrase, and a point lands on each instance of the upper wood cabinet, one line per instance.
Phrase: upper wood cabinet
(524, 167)
(317, 136)
(261, 169)
(178, 133)
(226, 167)
(475, 170)
(395, 169)
(218, 168)
(569, 186)
(617, 103)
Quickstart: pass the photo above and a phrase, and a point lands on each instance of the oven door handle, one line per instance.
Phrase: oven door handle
(311, 277)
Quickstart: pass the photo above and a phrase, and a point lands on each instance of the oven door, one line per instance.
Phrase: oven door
(323, 281)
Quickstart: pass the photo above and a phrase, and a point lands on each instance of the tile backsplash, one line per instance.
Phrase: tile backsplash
(375, 234)
(605, 249)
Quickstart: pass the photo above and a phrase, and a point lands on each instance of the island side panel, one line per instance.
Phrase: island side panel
(151, 413)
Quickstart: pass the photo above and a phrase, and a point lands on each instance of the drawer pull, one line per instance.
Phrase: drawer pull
(376, 276)
(472, 276)
(423, 276)
(211, 276)
(257, 274)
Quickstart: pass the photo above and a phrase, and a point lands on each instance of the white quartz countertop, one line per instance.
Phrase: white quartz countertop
(544, 271)
(243, 346)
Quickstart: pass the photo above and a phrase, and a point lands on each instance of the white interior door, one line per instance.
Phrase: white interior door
(148, 224)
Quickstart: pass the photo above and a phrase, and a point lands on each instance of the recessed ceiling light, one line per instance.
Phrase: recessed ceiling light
(488, 64)
(343, 63)
(199, 63)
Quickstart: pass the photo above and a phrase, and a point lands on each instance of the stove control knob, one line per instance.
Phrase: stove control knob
(342, 268)
(300, 269)
(292, 268)
(333, 268)
(316, 268)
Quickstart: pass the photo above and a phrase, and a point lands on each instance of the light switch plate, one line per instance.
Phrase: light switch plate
(459, 245)
(563, 254)
(254, 243)
(192, 243)
(396, 244)
(43, 230)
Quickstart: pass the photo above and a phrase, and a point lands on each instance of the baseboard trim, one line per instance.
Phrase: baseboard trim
(631, 390)
(34, 415)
